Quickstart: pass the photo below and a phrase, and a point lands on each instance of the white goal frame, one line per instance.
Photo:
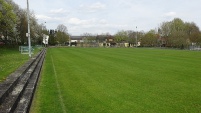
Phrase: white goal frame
(25, 49)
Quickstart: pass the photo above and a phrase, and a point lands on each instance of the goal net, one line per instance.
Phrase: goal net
(25, 49)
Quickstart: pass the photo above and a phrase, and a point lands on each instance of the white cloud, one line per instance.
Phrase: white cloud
(94, 25)
(103, 21)
(76, 21)
(92, 7)
(97, 6)
(60, 11)
(170, 14)
(48, 18)
(93, 21)
(43, 17)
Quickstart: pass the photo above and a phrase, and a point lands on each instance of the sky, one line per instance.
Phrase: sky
(111, 16)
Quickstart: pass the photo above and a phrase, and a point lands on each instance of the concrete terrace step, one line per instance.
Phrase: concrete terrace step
(15, 91)
(25, 101)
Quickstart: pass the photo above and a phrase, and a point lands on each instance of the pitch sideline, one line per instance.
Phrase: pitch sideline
(58, 87)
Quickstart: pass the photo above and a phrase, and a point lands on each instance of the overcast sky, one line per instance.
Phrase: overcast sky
(101, 16)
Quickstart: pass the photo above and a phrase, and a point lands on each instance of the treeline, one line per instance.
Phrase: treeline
(14, 26)
(175, 33)
(13, 29)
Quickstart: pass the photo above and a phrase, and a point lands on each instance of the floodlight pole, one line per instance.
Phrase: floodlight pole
(69, 40)
(29, 40)
(136, 36)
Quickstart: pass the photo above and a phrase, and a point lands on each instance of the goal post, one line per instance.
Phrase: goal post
(25, 49)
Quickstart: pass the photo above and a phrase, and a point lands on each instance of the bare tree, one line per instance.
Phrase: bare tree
(89, 40)
(62, 34)
(62, 28)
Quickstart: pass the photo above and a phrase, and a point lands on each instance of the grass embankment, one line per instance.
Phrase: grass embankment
(10, 60)
(119, 80)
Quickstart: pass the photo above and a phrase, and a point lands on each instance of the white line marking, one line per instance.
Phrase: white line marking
(58, 87)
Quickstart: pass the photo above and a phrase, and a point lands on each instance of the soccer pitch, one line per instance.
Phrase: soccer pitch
(117, 80)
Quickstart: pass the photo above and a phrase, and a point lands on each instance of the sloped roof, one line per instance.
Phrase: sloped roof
(76, 37)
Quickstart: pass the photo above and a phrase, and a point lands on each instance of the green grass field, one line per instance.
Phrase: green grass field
(119, 80)
(10, 60)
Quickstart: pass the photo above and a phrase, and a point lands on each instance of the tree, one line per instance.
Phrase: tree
(165, 29)
(193, 32)
(103, 38)
(62, 34)
(34, 27)
(132, 35)
(121, 36)
(178, 33)
(20, 26)
(150, 39)
(52, 39)
(89, 40)
(7, 19)
(199, 39)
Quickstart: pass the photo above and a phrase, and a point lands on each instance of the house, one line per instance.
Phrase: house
(99, 41)
(105, 40)
(75, 40)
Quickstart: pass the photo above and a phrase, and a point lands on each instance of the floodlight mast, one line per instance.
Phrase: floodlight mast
(136, 37)
(28, 20)
(69, 40)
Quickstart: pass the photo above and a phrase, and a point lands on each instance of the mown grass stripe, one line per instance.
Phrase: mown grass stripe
(58, 87)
